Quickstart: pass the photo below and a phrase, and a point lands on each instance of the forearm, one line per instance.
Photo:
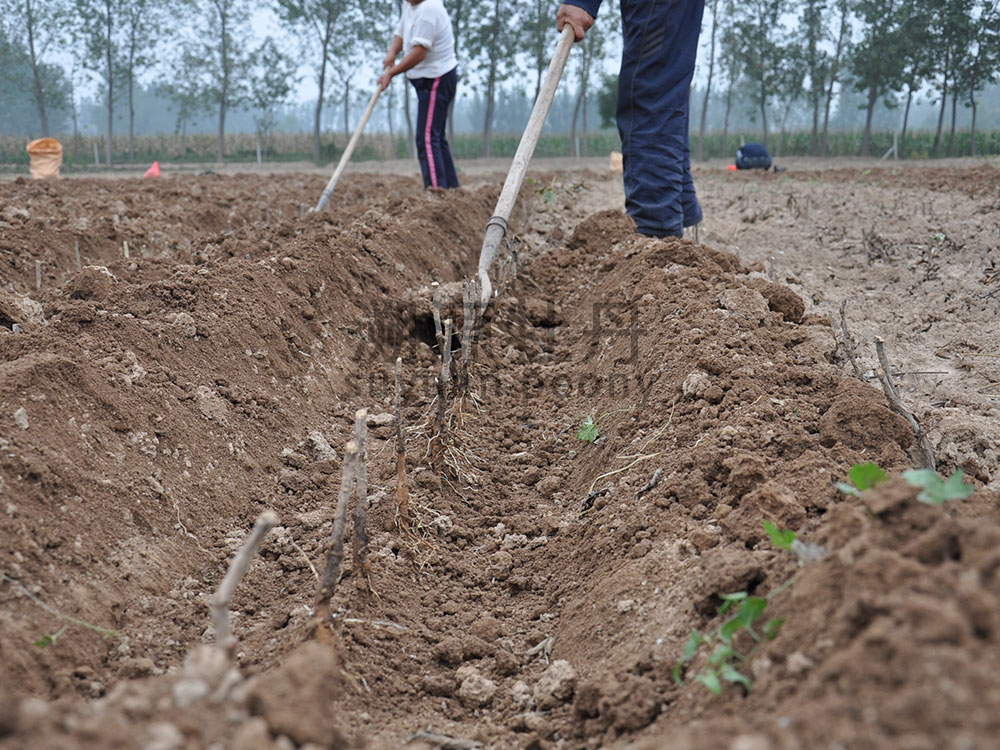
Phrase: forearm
(414, 57)
(395, 47)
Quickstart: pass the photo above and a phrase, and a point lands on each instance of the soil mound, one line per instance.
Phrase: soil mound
(636, 409)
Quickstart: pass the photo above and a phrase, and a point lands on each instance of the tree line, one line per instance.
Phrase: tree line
(770, 57)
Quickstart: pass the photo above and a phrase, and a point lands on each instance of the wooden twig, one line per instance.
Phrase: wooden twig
(469, 299)
(650, 485)
(402, 492)
(237, 569)
(360, 539)
(328, 583)
(443, 386)
(38, 274)
(925, 457)
(436, 306)
(849, 347)
(76, 253)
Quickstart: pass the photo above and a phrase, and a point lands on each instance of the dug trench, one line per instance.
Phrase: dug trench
(155, 405)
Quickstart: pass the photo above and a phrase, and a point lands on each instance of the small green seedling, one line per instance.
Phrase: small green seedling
(780, 539)
(588, 431)
(864, 477)
(936, 490)
(723, 658)
(590, 428)
(50, 640)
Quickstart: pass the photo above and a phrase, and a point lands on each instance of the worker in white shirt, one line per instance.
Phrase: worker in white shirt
(427, 41)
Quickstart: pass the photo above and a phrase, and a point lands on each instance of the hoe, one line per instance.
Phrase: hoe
(496, 227)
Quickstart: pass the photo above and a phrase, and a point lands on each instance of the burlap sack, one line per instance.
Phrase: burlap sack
(615, 164)
(46, 158)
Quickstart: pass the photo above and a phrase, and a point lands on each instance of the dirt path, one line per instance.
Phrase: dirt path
(156, 403)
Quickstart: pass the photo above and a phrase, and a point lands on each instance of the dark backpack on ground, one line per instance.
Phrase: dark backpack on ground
(753, 156)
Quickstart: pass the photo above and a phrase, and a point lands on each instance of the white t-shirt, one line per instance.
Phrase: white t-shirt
(428, 25)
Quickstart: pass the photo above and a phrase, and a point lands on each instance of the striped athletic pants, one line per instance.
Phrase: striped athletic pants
(434, 96)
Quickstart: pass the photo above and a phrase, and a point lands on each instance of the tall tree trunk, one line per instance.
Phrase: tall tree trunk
(224, 91)
(867, 142)
(906, 122)
(390, 112)
(763, 110)
(944, 102)
(539, 46)
(834, 72)
(347, 107)
(725, 120)
(36, 74)
(321, 83)
(131, 112)
(972, 131)
(574, 149)
(708, 84)
(491, 82)
(109, 66)
(490, 106)
(586, 81)
(954, 113)
(814, 138)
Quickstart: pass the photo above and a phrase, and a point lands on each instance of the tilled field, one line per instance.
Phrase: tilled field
(154, 401)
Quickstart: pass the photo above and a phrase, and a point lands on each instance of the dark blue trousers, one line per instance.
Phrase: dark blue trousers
(434, 96)
(660, 47)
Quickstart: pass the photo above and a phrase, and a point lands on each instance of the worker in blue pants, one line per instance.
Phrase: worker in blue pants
(660, 47)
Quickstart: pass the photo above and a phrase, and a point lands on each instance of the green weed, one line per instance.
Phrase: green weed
(864, 476)
(724, 660)
(780, 539)
(590, 428)
(935, 490)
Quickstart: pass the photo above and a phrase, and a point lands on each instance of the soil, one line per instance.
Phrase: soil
(155, 402)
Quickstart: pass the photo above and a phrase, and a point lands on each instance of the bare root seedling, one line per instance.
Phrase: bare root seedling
(925, 453)
(237, 569)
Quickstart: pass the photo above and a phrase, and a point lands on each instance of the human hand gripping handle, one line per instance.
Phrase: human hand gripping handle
(576, 17)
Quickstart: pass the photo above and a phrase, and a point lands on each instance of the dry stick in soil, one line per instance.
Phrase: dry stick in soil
(402, 492)
(849, 341)
(360, 539)
(470, 323)
(436, 306)
(925, 459)
(328, 583)
(237, 569)
(444, 382)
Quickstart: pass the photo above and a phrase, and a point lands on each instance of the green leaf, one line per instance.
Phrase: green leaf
(721, 654)
(935, 490)
(45, 640)
(729, 599)
(780, 539)
(679, 673)
(730, 674)
(956, 488)
(772, 626)
(691, 646)
(710, 679)
(748, 613)
(848, 489)
(588, 431)
(865, 476)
